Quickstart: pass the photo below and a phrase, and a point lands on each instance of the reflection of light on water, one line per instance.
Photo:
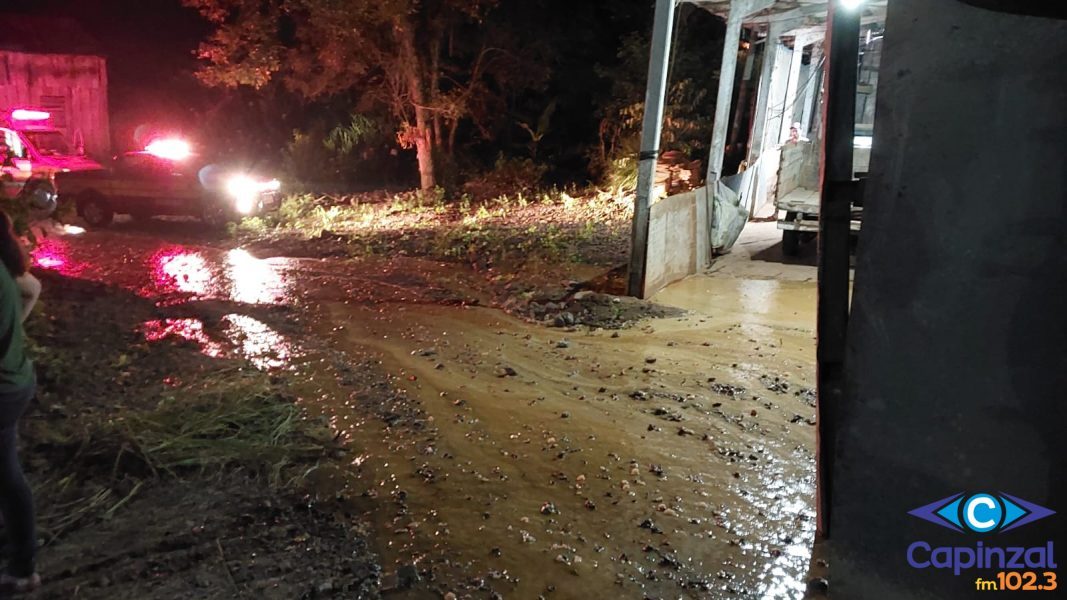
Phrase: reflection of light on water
(176, 269)
(188, 329)
(252, 280)
(53, 255)
(266, 348)
(256, 341)
(785, 538)
(757, 295)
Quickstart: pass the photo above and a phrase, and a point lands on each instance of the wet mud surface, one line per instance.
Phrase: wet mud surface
(504, 434)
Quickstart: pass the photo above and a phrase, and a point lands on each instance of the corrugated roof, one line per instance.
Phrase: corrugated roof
(35, 34)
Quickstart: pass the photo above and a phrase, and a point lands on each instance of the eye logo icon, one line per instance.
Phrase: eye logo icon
(981, 513)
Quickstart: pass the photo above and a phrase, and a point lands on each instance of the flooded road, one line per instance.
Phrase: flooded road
(672, 459)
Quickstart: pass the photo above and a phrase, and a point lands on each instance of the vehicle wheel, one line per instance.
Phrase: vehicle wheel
(40, 197)
(215, 215)
(790, 242)
(95, 210)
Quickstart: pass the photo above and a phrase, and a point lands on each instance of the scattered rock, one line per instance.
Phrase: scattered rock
(818, 585)
(506, 372)
(407, 576)
(563, 344)
(726, 389)
(549, 509)
(649, 525)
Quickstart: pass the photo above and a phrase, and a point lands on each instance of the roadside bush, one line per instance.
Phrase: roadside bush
(509, 176)
(335, 155)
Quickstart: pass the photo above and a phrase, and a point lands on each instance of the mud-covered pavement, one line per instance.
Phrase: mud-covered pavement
(494, 455)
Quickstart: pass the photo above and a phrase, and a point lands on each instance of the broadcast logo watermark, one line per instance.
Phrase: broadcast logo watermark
(981, 514)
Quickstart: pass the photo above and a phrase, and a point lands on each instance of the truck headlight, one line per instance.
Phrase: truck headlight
(246, 191)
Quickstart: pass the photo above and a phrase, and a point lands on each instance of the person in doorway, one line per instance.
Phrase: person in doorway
(794, 133)
(19, 291)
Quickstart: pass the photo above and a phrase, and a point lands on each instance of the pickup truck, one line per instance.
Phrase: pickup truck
(144, 184)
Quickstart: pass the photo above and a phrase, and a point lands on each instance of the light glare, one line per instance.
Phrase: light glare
(170, 149)
(24, 114)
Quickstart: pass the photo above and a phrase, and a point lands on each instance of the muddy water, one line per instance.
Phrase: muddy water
(673, 459)
(590, 464)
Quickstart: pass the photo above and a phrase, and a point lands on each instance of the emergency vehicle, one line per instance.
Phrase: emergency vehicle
(167, 178)
(33, 152)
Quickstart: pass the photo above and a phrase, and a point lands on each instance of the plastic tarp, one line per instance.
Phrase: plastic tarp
(731, 204)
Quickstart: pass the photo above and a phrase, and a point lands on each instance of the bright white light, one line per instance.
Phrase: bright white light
(851, 4)
(862, 141)
(73, 230)
(170, 149)
(240, 186)
(246, 191)
(246, 204)
(23, 114)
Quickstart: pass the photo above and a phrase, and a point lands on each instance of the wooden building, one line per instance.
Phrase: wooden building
(53, 64)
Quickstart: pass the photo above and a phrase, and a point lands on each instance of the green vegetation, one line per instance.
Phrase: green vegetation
(551, 225)
(96, 448)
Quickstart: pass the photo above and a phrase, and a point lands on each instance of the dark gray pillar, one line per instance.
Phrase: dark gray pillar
(956, 369)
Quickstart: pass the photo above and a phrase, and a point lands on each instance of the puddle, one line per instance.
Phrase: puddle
(191, 330)
(264, 347)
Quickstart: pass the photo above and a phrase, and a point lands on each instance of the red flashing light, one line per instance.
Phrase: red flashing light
(171, 149)
(25, 114)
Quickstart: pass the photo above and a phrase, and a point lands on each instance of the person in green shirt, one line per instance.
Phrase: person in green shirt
(19, 291)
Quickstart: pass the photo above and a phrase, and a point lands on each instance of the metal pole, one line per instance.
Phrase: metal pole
(650, 138)
(770, 51)
(725, 96)
(838, 192)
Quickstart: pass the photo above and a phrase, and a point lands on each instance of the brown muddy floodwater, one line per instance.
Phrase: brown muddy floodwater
(673, 459)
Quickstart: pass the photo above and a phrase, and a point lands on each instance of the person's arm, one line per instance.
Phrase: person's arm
(30, 290)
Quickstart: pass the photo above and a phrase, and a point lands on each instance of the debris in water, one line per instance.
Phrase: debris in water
(549, 509)
(726, 389)
(818, 585)
(774, 384)
(649, 525)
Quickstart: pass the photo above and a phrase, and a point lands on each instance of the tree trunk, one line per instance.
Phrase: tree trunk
(452, 136)
(412, 66)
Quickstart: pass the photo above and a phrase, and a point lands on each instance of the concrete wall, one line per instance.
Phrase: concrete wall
(678, 242)
(957, 358)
